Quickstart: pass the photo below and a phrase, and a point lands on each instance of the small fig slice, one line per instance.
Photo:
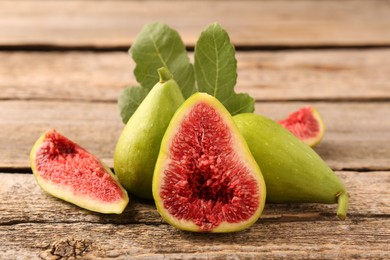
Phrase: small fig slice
(206, 179)
(66, 171)
(292, 170)
(139, 143)
(306, 124)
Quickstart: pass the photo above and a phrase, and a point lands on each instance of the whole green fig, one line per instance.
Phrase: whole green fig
(293, 172)
(139, 143)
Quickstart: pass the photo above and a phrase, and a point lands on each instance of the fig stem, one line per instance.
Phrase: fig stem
(164, 74)
(343, 202)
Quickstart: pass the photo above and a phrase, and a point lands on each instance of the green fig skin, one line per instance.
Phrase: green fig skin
(241, 148)
(292, 170)
(138, 146)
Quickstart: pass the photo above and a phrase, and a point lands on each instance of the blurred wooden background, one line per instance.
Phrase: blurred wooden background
(63, 64)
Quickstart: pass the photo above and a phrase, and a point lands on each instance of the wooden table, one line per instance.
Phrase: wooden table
(63, 64)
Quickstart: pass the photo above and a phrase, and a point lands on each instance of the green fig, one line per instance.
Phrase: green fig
(139, 143)
(206, 179)
(292, 170)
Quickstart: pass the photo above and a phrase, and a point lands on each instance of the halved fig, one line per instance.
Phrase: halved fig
(66, 171)
(206, 179)
(306, 123)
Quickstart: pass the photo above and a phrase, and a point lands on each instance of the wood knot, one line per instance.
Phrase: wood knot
(67, 249)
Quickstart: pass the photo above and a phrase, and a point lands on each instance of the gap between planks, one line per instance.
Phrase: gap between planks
(190, 48)
(284, 100)
(22, 170)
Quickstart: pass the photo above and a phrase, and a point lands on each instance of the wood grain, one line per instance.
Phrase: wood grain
(282, 75)
(266, 23)
(33, 225)
(359, 238)
(355, 138)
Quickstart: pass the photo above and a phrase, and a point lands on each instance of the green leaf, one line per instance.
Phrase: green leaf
(216, 69)
(129, 100)
(156, 46)
(240, 103)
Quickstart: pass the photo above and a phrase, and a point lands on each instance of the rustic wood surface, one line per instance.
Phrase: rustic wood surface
(250, 23)
(63, 64)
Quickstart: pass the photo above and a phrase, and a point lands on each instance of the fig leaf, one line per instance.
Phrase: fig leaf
(216, 69)
(240, 103)
(129, 100)
(156, 46)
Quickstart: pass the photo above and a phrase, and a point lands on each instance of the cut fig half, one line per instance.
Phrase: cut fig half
(206, 179)
(66, 171)
(306, 124)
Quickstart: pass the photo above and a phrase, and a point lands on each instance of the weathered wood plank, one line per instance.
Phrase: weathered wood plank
(355, 138)
(284, 75)
(359, 238)
(250, 23)
(24, 202)
(320, 75)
